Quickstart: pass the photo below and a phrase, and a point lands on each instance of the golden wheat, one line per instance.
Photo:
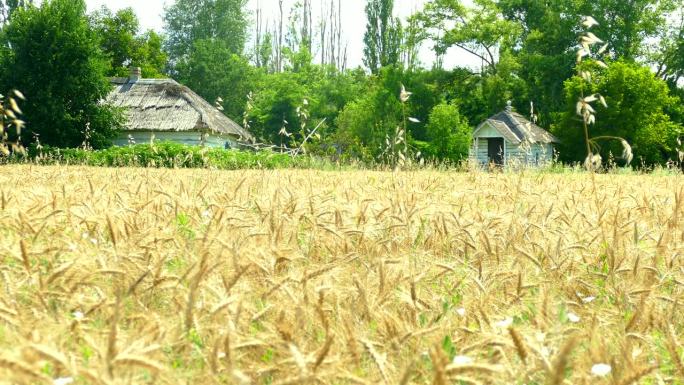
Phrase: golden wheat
(119, 276)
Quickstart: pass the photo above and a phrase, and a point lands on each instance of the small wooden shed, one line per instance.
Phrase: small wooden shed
(509, 139)
(170, 111)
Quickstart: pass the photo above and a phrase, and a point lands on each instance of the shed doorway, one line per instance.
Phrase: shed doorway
(495, 151)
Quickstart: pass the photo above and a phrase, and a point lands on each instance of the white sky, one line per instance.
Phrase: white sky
(353, 20)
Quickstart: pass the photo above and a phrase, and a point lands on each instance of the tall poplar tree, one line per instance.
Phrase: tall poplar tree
(382, 41)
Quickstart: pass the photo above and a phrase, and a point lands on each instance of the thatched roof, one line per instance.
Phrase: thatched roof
(165, 105)
(516, 129)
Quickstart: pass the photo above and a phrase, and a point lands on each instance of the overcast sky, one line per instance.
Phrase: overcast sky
(353, 19)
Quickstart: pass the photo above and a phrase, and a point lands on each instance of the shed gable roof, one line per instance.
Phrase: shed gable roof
(165, 105)
(516, 129)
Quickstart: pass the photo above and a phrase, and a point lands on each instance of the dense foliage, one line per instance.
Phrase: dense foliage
(52, 55)
(288, 80)
(190, 21)
(638, 105)
(124, 44)
(174, 155)
(449, 133)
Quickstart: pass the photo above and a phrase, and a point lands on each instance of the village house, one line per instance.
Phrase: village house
(508, 139)
(168, 111)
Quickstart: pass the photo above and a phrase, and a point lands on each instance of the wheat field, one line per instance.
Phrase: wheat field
(140, 276)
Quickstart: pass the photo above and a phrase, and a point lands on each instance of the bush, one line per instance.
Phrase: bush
(448, 133)
(174, 155)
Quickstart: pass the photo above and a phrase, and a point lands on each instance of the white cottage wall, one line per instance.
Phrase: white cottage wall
(480, 146)
(531, 155)
(191, 138)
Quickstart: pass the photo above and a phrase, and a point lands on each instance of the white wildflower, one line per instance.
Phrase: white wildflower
(574, 318)
(601, 370)
(589, 299)
(461, 311)
(462, 360)
(78, 315)
(63, 381)
(505, 323)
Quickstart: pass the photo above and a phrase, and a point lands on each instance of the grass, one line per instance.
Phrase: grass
(118, 276)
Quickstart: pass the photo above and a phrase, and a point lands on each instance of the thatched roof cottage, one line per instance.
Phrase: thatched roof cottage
(170, 111)
(509, 139)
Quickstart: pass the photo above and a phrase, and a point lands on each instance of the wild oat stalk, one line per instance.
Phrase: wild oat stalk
(584, 106)
(9, 117)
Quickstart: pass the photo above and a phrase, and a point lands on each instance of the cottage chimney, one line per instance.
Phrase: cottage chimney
(136, 74)
(509, 106)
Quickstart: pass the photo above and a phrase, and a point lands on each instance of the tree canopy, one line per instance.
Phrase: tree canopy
(189, 21)
(638, 104)
(382, 40)
(122, 42)
(53, 57)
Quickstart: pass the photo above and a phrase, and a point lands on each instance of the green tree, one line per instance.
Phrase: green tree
(151, 56)
(189, 21)
(448, 133)
(265, 52)
(52, 56)
(369, 123)
(383, 37)
(669, 54)
(479, 30)
(279, 95)
(545, 53)
(213, 71)
(638, 104)
(120, 39)
(275, 107)
(7, 8)
(628, 25)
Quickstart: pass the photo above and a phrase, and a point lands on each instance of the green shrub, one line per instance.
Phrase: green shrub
(174, 155)
(448, 133)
